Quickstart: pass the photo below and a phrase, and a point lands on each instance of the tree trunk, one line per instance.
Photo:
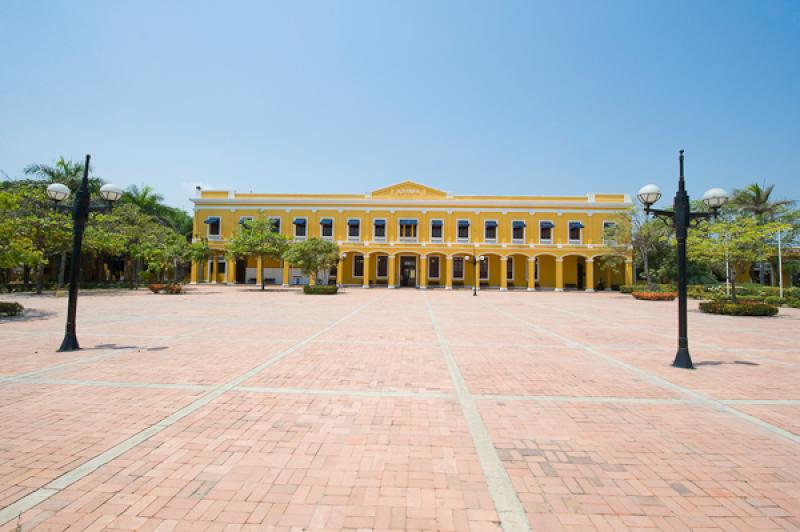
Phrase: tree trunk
(646, 261)
(39, 277)
(175, 271)
(263, 281)
(26, 277)
(62, 267)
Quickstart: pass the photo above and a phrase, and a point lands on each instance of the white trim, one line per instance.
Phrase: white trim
(430, 230)
(360, 232)
(496, 231)
(294, 227)
(280, 223)
(463, 269)
(552, 232)
(474, 204)
(459, 239)
(439, 269)
(403, 239)
(579, 240)
(524, 232)
(385, 228)
(243, 218)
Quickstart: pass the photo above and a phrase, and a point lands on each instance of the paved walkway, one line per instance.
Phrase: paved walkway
(229, 408)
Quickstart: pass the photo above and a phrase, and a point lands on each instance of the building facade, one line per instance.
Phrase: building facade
(411, 235)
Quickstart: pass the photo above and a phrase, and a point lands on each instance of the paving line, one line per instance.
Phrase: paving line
(29, 501)
(581, 399)
(118, 384)
(662, 382)
(506, 501)
(350, 393)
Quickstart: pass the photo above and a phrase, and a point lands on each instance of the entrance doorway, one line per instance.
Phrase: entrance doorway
(581, 275)
(241, 271)
(408, 271)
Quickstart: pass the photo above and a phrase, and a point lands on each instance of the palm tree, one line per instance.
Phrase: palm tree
(68, 173)
(149, 202)
(755, 199)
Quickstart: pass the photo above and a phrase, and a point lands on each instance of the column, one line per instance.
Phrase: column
(214, 268)
(628, 271)
(193, 275)
(392, 272)
(559, 274)
(285, 274)
(531, 274)
(366, 271)
(589, 275)
(423, 272)
(448, 273)
(340, 272)
(476, 266)
(259, 271)
(230, 271)
(503, 274)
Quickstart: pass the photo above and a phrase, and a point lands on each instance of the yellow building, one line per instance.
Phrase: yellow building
(411, 235)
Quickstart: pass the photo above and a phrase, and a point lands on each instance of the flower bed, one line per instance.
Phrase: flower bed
(655, 296)
(320, 289)
(730, 308)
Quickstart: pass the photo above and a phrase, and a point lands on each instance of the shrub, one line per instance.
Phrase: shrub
(629, 288)
(10, 308)
(320, 289)
(738, 309)
(794, 303)
(655, 296)
(156, 288)
(774, 300)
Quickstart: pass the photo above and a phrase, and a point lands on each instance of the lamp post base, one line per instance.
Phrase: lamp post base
(683, 359)
(70, 343)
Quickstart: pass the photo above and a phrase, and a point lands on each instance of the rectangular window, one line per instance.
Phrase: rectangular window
(353, 229)
(437, 230)
(408, 229)
(463, 230)
(299, 227)
(546, 232)
(490, 231)
(484, 266)
(458, 267)
(379, 226)
(575, 232)
(326, 227)
(358, 266)
(244, 219)
(433, 267)
(608, 231)
(275, 224)
(214, 225)
(518, 231)
(382, 266)
(510, 269)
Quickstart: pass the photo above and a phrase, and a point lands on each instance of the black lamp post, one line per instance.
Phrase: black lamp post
(681, 219)
(80, 208)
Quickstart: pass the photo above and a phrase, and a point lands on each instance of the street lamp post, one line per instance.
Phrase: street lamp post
(81, 208)
(476, 261)
(681, 219)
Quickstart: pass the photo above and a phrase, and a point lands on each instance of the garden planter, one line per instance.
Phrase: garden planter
(655, 296)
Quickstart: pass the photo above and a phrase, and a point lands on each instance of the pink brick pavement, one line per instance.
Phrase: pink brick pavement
(228, 408)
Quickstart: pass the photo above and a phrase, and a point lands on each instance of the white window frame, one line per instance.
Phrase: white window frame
(242, 219)
(488, 269)
(496, 232)
(401, 238)
(354, 238)
(552, 232)
(463, 269)
(353, 267)
(510, 260)
(333, 228)
(469, 230)
(607, 242)
(385, 230)
(280, 222)
(294, 227)
(579, 240)
(430, 228)
(524, 232)
(439, 271)
(218, 236)
(377, 269)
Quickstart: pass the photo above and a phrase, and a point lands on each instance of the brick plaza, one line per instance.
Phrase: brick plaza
(228, 408)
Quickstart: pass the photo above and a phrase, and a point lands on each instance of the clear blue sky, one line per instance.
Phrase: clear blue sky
(492, 97)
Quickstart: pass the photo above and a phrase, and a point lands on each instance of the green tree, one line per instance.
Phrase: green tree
(632, 230)
(739, 240)
(312, 255)
(256, 237)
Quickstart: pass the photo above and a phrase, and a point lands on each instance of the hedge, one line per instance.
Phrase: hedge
(655, 296)
(320, 289)
(10, 308)
(738, 309)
